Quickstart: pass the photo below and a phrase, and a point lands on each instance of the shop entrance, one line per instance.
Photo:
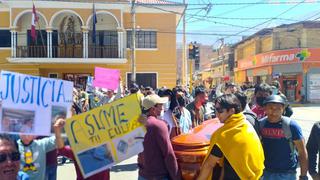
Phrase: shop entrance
(290, 87)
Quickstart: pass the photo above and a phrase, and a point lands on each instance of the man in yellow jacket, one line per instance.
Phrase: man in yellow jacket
(235, 146)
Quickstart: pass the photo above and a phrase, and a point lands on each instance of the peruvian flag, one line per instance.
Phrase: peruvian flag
(34, 21)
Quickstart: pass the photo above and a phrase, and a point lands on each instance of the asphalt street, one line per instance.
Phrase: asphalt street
(128, 170)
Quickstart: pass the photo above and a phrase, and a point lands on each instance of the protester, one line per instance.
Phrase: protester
(178, 117)
(181, 113)
(230, 88)
(235, 146)
(198, 110)
(248, 113)
(51, 162)
(283, 143)
(134, 89)
(157, 161)
(10, 160)
(313, 147)
(166, 93)
(51, 165)
(108, 96)
(148, 90)
(33, 154)
(276, 91)
(261, 92)
(167, 116)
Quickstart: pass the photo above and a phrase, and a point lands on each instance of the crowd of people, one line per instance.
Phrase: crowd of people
(258, 140)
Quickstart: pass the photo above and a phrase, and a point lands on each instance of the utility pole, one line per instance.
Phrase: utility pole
(222, 52)
(184, 49)
(133, 42)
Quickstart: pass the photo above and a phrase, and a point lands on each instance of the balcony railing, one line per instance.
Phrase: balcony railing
(32, 51)
(67, 51)
(107, 51)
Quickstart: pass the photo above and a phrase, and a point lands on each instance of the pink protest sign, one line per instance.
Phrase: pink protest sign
(106, 78)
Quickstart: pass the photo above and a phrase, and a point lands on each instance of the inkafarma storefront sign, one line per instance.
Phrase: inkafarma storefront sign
(290, 56)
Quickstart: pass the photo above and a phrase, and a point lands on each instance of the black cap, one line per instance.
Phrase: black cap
(199, 90)
(274, 99)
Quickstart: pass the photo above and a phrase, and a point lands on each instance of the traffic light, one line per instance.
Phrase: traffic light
(191, 51)
(196, 51)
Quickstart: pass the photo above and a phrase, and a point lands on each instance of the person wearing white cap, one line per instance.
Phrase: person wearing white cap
(158, 160)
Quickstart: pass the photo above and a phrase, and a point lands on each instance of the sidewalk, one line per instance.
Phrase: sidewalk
(295, 104)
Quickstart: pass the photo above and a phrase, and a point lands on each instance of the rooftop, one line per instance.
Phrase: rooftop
(268, 31)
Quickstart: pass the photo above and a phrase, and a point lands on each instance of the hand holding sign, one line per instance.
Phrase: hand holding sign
(106, 135)
(31, 103)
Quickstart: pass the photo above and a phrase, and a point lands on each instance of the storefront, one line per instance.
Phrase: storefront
(262, 75)
(290, 78)
(249, 74)
(313, 85)
(297, 70)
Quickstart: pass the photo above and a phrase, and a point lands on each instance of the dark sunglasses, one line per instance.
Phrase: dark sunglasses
(14, 156)
(219, 110)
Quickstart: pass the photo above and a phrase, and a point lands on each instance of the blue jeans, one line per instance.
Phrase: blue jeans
(278, 176)
(51, 172)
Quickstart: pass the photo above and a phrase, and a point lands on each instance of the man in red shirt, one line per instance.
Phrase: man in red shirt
(261, 92)
(157, 161)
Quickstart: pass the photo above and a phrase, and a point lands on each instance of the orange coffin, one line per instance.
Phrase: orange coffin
(190, 149)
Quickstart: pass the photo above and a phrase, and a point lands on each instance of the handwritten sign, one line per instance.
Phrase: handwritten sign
(106, 78)
(30, 104)
(106, 135)
(89, 86)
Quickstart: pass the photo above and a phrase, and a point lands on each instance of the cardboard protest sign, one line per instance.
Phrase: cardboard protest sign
(89, 85)
(106, 78)
(30, 104)
(106, 135)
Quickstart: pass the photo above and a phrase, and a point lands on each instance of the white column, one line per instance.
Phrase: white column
(87, 44)
(15, 44)
(121, 43)
(51, 48)
(84, 44)
(49, 43)
(85, 41)
(12, 43)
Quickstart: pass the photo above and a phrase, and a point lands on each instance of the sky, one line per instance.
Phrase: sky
(209, 20)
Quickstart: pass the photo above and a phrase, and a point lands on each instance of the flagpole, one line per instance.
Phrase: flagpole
(94, 21)
(42, 40)
(38, 23)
